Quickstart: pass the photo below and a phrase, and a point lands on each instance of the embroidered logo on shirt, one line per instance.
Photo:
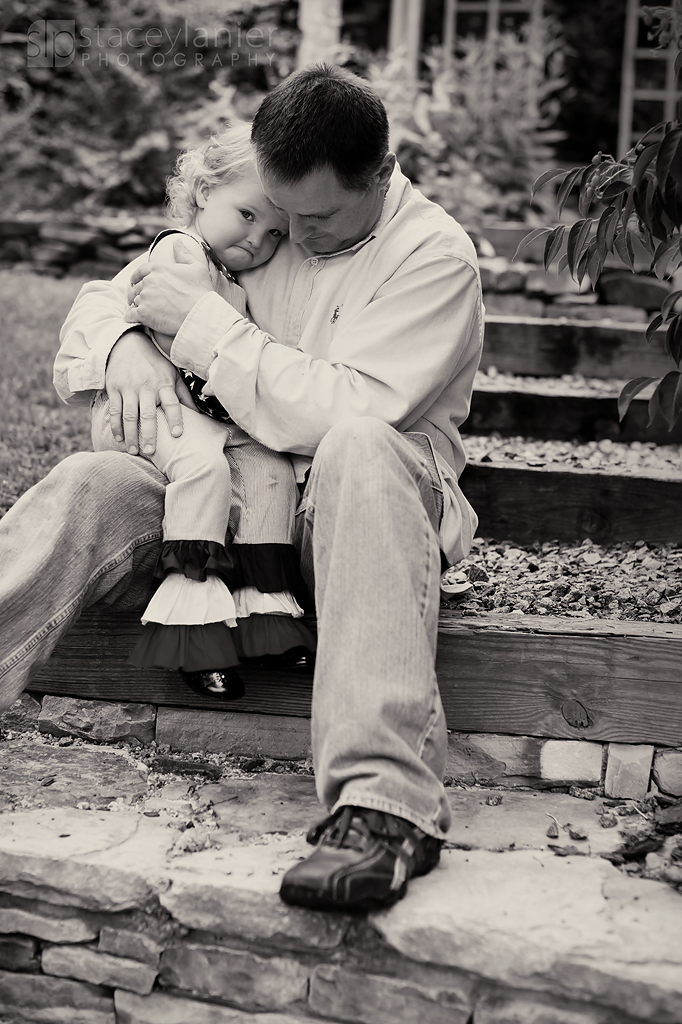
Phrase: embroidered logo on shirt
(335, 315)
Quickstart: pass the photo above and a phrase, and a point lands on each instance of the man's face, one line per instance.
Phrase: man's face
(324, 216)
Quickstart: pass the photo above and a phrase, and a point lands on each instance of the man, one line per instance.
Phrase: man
(362, 364)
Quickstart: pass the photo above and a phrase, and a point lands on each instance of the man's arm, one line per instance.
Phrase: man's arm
(390, 361)
(100, 349)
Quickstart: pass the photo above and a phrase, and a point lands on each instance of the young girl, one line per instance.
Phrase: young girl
(231, 587)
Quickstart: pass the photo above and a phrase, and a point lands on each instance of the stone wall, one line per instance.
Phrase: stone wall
(264, 963)
(618, 770)
(98, 246)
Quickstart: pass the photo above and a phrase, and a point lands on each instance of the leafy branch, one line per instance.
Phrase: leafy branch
(637, 199)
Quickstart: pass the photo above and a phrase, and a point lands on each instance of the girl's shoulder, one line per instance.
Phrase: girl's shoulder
(162, 248)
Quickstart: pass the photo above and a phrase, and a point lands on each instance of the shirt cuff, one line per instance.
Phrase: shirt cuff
(207, 322)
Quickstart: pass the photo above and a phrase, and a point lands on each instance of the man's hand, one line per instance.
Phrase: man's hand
(137, 379)
(160, 296)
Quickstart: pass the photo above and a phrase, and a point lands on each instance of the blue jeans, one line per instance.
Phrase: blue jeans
(367, 532)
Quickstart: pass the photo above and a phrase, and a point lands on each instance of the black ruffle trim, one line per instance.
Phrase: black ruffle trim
(192, 648)
(271, 634)
(270, 568)
(195, 559)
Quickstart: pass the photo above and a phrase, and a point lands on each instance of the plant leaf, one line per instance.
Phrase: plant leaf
(535, 233)
(678, 62)
(668, 304)
(576, 240)
(674, 339)
(653, 327)
(544, 178)
(606, 229)
(676, 163)
(631, 389)
(583, 261)
(643, 161)
(565, 188)
(622, 244)
(562, 264)
(594, 266)
(665, 399)
(662, 257)
(665, 156)
(553, 245)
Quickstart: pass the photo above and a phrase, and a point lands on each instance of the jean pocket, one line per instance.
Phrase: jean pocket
(424, 445)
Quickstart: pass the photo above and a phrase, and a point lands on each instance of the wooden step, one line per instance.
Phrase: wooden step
(564, 678)
(570, 416)
(540, 347)
(525, 504)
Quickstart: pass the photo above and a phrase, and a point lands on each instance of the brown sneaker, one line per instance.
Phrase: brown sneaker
(363, 861)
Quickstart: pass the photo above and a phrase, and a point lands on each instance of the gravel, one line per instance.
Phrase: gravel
(568, 384)
(636, 458)
(640, 582)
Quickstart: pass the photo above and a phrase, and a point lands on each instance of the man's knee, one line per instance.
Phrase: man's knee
(361, 438)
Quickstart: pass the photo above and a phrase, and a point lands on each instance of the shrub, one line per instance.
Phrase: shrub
(474, 133)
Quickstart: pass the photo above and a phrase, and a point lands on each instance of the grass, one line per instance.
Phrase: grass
(36, 429)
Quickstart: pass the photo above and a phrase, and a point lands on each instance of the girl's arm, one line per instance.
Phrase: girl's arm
(163, 252)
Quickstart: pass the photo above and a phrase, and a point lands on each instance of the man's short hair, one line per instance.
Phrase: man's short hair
(322, 116)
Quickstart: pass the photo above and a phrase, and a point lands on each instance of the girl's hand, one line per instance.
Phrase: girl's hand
(138, 379)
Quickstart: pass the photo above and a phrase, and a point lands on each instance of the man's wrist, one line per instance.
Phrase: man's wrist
(206, 323)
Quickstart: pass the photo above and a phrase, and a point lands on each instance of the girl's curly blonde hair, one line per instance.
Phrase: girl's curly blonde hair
(223, 158)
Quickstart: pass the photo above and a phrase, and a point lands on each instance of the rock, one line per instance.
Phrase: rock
(54, 1000)
(250, 914)
(628, 769)
(669, 820)
(571, 761)
(132, 945)
(668, 771)
(513, 304)
(97, 719)
(85, 964)
(22, 715)
(371, 999)
(513, 279)
(580, 937)
(504, 1007)
(265, 805)
(494, 759)
(218, 732)
(578, 311)
(622, 288)
(76, 774)
(88, 859)
(74, 235)
(247, 980)
(54, 924)
(19, 953)
(160, 1008)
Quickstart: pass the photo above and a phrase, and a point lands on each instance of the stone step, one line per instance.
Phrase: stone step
(563, 678)
(544, 347)
(571, 416)
(526, 503)
(503, 931)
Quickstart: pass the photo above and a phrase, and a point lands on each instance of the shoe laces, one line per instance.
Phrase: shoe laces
(358, 828)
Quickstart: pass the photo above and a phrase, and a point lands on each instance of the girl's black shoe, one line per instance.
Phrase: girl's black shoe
(219, 683)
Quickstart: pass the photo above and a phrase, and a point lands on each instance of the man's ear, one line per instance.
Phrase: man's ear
(202, 194)
(383, 175)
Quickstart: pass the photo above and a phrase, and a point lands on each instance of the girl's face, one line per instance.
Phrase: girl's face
(239, 223)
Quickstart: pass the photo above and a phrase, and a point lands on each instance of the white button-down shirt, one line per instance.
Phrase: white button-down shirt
(391, 327)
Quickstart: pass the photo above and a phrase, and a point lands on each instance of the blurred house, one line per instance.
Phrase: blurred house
(619, 83)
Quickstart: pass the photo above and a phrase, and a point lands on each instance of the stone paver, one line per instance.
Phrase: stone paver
(97, 719)
(502, 926)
